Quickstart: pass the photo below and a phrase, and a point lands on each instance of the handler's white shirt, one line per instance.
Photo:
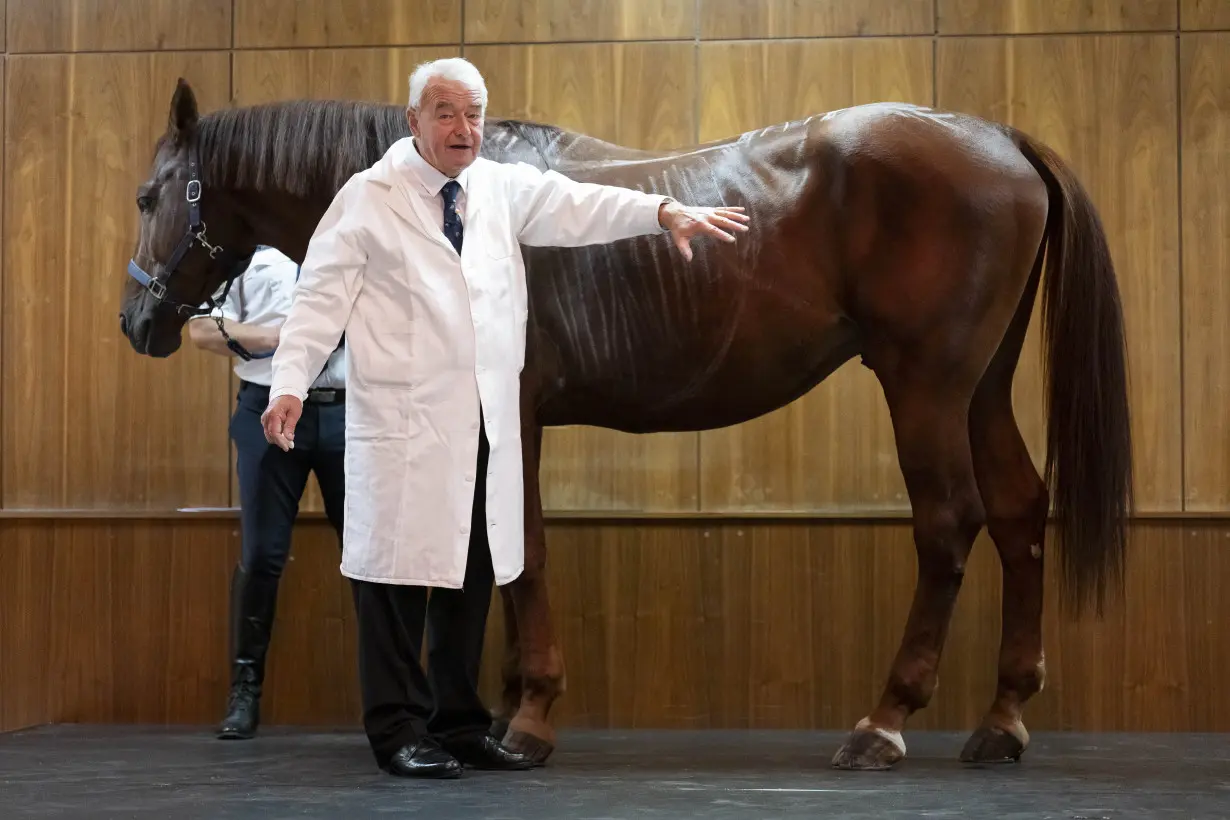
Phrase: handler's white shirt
(261, 297)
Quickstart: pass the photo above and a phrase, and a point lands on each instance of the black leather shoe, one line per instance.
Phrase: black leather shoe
(424, 759)
(488, 753)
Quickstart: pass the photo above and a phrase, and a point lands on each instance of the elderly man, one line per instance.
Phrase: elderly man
(418, 261)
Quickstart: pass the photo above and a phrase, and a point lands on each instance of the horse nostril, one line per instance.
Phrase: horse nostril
(123, 324)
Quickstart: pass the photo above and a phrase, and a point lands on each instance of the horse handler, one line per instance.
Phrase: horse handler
(271, 481)
(435, 327)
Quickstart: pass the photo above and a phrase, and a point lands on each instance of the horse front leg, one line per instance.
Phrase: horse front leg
(510, 668)
(541, 661)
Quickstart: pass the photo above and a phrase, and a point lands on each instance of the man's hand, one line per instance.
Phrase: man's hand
(279, 420)
(685, 222)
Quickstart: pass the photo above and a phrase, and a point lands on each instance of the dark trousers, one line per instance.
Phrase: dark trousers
(271, 482)
(401, 703)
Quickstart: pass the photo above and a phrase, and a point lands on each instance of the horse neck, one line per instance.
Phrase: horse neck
(280, 219)
(283, 191)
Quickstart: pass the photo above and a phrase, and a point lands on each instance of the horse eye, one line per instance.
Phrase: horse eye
(145, 202)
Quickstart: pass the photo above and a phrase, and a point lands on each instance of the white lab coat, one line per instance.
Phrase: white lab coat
(430, 335)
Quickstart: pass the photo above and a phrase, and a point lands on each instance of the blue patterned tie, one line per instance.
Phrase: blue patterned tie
(452, 222)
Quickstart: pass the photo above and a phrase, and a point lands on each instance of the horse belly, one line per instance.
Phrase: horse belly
(625, 359)
(764, 371)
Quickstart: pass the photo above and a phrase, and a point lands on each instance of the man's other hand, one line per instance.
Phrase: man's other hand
(685, 222)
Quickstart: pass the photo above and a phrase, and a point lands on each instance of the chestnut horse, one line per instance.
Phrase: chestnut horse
(911, 237)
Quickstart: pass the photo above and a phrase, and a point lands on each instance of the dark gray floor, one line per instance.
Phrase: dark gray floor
(95, 772)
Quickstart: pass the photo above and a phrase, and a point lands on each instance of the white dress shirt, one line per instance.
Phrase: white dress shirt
(261, 296)
(430, 183)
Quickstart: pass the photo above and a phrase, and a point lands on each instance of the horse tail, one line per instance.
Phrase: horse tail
(1088, 439)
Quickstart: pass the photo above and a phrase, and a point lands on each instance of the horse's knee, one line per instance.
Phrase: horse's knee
(542, 673)
(944, 533)
(915, 685)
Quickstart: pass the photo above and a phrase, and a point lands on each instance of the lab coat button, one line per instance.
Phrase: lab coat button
(470, 478)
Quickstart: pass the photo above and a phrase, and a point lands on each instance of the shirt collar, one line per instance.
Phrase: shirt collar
(428, 177)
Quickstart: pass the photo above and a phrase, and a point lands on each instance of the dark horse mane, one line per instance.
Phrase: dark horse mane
(310, 148)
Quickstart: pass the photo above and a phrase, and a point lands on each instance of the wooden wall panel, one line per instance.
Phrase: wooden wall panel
(1053, 16)
(638, 95)
(734, 19)
(281, 24)
(512, 21)
(96, 425)
(115, 621)
(1205, 80)
(118, 25)
(126, 622)
(834, 448)
(1107, 105)
(377, 74)
(1204, 14)
(676, 625)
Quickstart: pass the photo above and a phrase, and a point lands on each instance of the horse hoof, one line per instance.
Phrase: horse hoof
(993, 745)
(870, 750)
(535, 748)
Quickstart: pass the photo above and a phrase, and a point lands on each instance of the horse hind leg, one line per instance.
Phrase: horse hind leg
(1016, 501)
(929, 411)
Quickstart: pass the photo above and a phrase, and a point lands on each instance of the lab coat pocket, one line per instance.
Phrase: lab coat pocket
(386, 360)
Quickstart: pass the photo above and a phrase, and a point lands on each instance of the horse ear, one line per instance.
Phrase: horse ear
(184, 113)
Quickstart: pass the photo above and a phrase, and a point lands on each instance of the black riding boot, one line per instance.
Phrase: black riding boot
(253, 603)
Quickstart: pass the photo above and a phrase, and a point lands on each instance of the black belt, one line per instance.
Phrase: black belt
(326, 395)
(316, 395)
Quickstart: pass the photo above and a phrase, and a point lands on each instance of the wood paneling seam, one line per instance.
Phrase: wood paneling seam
(4, 234)
(697, 84)
(1178, 122)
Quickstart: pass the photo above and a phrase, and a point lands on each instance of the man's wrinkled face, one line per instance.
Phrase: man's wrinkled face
(448, 125)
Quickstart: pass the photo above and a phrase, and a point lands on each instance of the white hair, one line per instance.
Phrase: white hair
(449, 68)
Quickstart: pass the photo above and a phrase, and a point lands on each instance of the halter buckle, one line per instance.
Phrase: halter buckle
(194, 190)
(155, 287)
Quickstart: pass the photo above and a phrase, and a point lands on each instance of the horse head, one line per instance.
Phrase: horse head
(190, 243)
